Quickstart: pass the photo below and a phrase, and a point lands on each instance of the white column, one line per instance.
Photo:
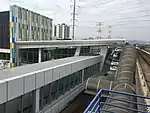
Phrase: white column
(103, 54)
(39, 55)
(37, 100)
(78, 49)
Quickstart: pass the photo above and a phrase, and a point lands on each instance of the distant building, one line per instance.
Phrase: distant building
(61, 31)
(20, 24)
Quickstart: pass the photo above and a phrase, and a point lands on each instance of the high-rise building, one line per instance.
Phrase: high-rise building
(61, 31)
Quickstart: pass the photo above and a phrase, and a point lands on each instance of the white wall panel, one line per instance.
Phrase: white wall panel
(74, 67)
(78, 66)
(40, 79)
(68, 69)
(56, 74)
(85, 63)
(90, 62)
(29, 83)
(3, 94)
(48, 76)
(15, 88)
(62, 71)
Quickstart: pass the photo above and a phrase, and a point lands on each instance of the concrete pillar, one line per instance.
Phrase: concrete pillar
(78, 49)
(82, 75)
(39, 55)
(103, 53)
(18, 59)
(37, 100)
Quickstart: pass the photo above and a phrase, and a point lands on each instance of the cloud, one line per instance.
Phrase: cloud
(127, 17)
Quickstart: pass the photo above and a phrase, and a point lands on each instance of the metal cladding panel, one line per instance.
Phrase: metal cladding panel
(79, 65)
(3, 94)
(40, 79)
(68, 69)
(56, 75)
(29, 83)
(62, 72)
(15, 88)
(48, 76)
(90, 61)
(85, 63)
(82, 65)
(74, 67)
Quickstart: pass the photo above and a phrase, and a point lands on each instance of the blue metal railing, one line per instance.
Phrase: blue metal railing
(96, 105)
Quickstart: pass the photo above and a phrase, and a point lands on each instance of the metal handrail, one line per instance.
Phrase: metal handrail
(95, 104)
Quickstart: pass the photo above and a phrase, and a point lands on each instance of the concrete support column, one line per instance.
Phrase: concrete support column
(18, 57)
(37, 100)
(103, 53)
(39, 55)
(78, 49)
(82, 75)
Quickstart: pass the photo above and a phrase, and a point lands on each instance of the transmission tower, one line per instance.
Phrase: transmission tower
(109, 32)
(74, 19)
(99, 24)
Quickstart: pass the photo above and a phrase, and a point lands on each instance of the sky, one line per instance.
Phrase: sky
(128, 18)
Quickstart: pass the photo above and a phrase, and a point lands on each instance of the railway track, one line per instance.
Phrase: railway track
(144, 60)
(143, 68)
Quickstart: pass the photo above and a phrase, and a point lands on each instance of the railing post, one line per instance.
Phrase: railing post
(98, 104)
(99, 101)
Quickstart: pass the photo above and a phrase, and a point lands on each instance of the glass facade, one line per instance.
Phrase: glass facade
(29, 56)
(22, 104)
(91, 70)
(55, 89)
(4, 56)
(90, 51)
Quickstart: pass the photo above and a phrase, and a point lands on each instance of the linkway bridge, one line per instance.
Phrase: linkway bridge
(48, 87)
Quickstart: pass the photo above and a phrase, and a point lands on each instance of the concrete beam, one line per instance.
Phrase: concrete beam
(68, 43)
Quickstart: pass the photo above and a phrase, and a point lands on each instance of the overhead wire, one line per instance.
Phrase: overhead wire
(123, 18)
(125, 11)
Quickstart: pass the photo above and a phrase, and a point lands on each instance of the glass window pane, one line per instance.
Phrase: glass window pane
(14, 106)
(27, 103)
(2, 108)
